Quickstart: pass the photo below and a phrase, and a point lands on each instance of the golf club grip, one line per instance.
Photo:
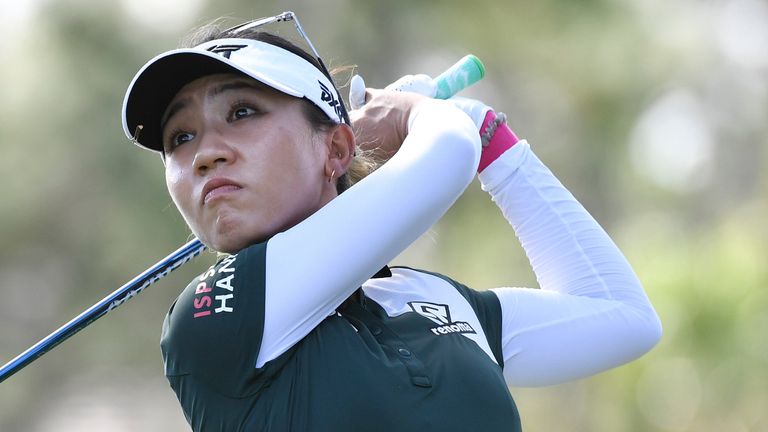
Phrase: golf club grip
(117, 298)
(465, 72)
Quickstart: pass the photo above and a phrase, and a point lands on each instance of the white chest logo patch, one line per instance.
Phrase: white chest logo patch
(440, 315)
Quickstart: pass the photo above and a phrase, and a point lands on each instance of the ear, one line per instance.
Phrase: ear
(341, 150)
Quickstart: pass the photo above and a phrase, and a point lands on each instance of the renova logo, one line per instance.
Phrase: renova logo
(440, 314)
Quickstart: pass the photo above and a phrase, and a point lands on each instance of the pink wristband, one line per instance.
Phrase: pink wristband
(502, 141)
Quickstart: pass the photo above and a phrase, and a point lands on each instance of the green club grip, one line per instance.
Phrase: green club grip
(461, 75)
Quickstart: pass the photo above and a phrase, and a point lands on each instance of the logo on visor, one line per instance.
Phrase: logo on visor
(328, 97)
(225, 50)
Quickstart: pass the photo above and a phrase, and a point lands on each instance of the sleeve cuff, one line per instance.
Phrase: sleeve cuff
(504, 165)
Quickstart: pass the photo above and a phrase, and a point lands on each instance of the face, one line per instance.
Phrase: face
(242, 161)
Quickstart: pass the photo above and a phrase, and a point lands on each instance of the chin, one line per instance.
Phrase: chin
(224, 233)
(230, 244)
(231, 231)
(231, 237)
(228, 241)
(231, 249)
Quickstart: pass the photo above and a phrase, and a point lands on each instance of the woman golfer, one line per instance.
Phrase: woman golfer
(301, 325)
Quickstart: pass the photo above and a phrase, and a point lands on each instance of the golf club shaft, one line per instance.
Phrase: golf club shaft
(117, 298)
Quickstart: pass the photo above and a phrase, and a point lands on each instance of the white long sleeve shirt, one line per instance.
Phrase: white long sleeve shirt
(280, 346)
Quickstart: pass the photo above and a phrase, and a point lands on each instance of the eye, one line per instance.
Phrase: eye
(176, 138)
(242, 110)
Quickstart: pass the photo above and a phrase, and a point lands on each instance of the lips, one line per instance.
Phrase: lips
(217, 187)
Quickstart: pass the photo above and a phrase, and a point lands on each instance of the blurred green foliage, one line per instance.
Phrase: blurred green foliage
(652, 113)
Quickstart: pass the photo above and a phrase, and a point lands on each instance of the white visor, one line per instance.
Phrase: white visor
(158, 81)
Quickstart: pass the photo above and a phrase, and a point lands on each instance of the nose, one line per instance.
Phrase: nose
(212, 152)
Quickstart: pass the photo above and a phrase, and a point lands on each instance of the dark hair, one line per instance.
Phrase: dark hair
(319, 121)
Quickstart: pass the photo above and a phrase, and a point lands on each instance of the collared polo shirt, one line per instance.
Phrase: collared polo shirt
(411, 351)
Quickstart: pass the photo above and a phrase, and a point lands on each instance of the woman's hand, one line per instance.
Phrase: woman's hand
(381, 125)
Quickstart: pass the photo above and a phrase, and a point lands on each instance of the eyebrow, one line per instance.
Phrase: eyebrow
(180, 104)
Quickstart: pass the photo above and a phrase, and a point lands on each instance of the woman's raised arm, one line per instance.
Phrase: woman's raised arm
(314, 266)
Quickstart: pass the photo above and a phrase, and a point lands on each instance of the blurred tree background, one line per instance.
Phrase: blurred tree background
(653, 113)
